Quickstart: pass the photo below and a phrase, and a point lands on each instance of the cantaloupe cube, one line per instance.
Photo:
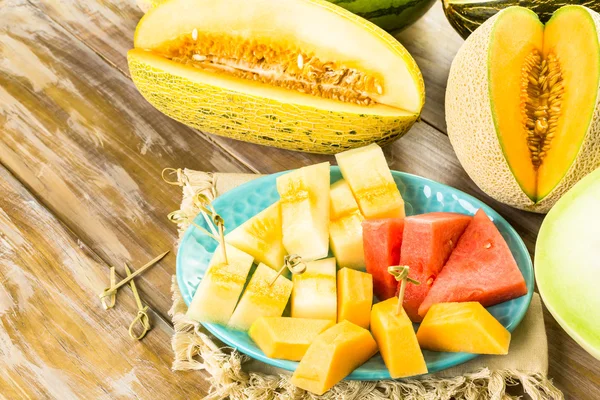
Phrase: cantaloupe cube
(367, 172)
(260, 299)
(332, 356)
(463, 327)
(354, 296)
(345, 227)
(314, 293)
(221, 287)
(305, 211)
(286, 338)
(396, 339)
(261, 237)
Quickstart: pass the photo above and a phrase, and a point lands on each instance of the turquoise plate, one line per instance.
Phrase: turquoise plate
(420, 195)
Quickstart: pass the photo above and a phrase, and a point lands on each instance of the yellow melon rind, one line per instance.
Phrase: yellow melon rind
(261, 120)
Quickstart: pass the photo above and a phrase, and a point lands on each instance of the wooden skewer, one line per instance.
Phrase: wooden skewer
(110, 290)
(400, 273)
(293, 263)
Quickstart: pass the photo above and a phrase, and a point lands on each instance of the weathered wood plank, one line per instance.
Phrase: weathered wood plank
(77, 133)
(108, 26)
(56, 341)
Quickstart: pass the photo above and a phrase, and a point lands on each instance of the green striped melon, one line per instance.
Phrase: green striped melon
(467, 15)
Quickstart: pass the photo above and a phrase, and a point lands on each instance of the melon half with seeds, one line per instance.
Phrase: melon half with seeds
(522, 104)
(300, 74)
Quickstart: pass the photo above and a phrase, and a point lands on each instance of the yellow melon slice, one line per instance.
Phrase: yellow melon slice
(304, 74)
(396, 339)
(286, 338)
(261, 237)
(305, 211)
(332, 356)
(221, 287)
(462, 327)
(354, 296)
(261, 298)
(345, 227)
(314, 293)
(369, 176)
(522, 104)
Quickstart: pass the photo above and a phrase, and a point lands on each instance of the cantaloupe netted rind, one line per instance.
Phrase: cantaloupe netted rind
(472, 125)
(267, 114)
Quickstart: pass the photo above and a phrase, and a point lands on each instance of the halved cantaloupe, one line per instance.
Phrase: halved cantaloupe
(300, 74)
(522, 104)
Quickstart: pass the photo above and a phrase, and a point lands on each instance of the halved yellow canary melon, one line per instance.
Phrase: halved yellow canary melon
(522, 104)
(299, 74)
(261, 237)
(314, 293)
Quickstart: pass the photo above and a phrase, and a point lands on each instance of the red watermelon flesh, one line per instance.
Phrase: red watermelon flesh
(382, 239)
(427, 243)
(481, 268)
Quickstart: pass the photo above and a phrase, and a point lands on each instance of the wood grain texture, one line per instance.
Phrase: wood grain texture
(78, 134)
(56, 341)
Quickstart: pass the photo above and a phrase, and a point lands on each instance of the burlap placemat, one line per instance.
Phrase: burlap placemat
(236, 376)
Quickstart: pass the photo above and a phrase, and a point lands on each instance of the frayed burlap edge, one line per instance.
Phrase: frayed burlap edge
(195, 350)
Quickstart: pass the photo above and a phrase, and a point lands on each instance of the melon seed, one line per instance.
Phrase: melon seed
(274, 64)
(541, 91)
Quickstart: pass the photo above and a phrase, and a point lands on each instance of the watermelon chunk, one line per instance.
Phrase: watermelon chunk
(481, 268)
(382, 239)
(427, 243)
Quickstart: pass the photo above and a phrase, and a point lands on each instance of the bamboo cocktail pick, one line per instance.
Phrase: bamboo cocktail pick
(112, 290)
(400, 273)
(142, 314)
(113, 297)
(292, 262)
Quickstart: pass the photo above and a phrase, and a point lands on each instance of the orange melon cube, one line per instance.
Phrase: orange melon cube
(396, 339)
(332, 356)
(463, 327)
(354, 296)
(286, 338)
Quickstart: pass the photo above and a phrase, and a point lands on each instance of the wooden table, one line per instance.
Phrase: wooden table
(80, 159)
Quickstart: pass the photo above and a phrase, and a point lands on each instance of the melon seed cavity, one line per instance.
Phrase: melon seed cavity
(541, 97)
(273, 64)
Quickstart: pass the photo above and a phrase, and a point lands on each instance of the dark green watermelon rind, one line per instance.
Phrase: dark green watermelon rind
(466, 17)
(397, 16)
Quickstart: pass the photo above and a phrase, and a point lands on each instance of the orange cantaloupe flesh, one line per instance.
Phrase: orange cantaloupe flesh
(354, 296)
(571, 36)
(395, 336)
(462, 327)
(286, 338)
(332, 356)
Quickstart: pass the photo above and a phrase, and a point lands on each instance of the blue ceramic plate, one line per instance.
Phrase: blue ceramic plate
(420, 195)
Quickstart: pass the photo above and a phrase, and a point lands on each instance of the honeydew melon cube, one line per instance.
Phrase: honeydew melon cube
(463, 327)
(354, 296)
(261, 299)
(286, 338)
(345, 227)
(261, 237)
(366, 171)
(396, 339)
(332, 356)
(221, 287)
(305, 211)
(314, 293)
